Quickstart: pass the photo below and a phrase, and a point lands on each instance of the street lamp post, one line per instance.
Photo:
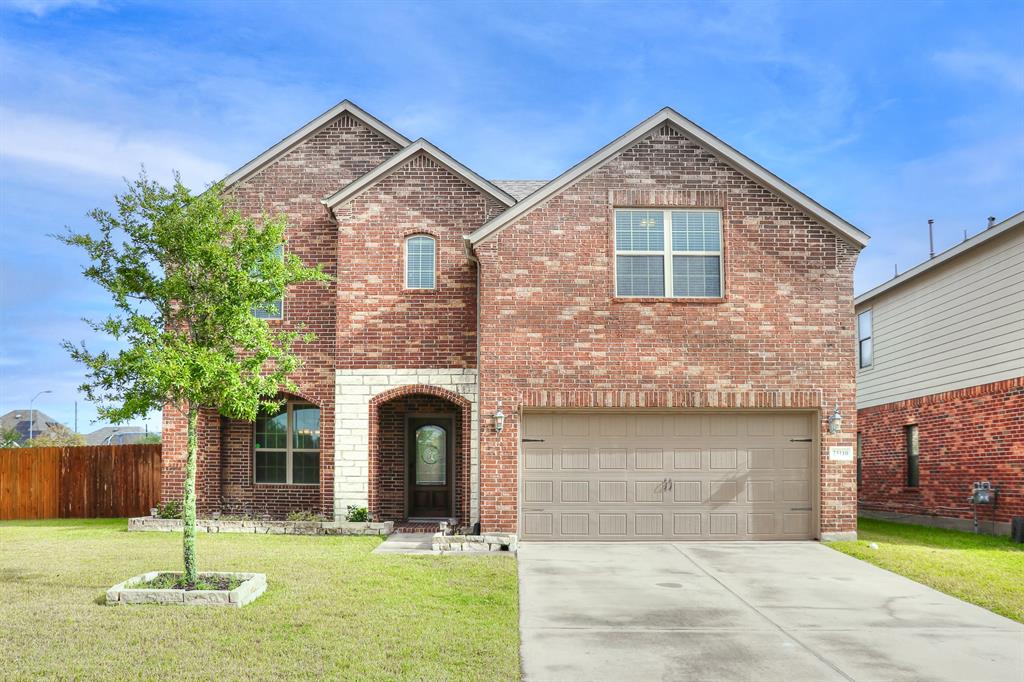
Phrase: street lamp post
(32, 414)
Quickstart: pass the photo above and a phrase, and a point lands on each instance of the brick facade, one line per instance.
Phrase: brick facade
(551, 328)
(537, 316)
(381, 324)
(967, 435)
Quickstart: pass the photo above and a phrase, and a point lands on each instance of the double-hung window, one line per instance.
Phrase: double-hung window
(865, 344)
(420, 262)
(272, 310)
(668, 253)
(287, 445)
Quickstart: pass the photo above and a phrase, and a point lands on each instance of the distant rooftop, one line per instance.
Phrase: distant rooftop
(519, 189)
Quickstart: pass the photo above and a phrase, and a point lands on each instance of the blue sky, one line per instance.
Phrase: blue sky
(887, 113)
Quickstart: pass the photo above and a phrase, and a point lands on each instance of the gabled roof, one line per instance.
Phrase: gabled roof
(345, 106)
(363, 183)
(694, 132)
(1013, 222)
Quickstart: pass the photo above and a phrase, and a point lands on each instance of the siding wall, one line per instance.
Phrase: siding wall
(959, 325)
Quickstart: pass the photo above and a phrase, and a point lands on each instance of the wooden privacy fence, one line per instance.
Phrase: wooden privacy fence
(102, 481)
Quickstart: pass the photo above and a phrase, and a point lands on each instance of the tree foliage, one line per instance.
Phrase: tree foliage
(57, 435)
(184, 273)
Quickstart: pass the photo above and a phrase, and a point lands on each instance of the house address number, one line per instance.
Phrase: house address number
(840, 453)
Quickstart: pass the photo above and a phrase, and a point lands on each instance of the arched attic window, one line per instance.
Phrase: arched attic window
(420, 262)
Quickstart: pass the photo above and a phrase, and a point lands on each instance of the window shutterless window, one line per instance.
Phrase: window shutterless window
(420, 262)
(272, 310)
(865, 349)
(913, 445)
(673, 253)
(287, 445)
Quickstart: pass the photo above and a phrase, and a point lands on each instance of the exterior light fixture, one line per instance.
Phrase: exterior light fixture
(835, 421)
(499, 419)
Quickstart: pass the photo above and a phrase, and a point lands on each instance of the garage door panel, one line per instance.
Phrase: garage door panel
(686, 477)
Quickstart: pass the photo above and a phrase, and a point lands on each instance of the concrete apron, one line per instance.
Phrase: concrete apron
(746, 611)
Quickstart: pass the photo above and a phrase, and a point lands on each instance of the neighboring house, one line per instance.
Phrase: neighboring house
(940, 384)
(116, 435)
(648, 346)
(39, 424)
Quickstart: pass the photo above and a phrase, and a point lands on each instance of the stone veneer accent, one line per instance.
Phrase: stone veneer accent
(354, 388)
(492, 542)
(266, 527)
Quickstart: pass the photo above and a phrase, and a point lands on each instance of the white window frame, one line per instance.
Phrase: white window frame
(870, 337)
(668, 252)
(433, 241)
(289, 448)
(280, 307)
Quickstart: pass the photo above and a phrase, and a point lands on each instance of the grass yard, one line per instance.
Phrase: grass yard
(332, 609)
(984, 570)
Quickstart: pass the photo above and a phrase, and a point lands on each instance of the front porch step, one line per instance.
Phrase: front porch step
(430, 527)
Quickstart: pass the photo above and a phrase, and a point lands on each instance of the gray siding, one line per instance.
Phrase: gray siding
(958, 325)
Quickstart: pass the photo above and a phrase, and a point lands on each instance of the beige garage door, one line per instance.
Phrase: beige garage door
(692, 476)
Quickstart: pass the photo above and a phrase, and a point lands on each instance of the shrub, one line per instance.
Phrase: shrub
(169, 510)
(355, 513)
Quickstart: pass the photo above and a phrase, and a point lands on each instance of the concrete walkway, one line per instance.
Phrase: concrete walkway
(746, 611)
(407, 543)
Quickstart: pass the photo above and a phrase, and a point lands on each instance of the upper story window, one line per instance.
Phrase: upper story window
(865, 351)
(287, 445)
(272, 310)
(420, 262)
(674, 253)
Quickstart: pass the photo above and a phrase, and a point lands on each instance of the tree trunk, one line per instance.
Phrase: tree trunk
(188, 502)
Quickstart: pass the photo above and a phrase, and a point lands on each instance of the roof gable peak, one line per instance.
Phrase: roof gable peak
(343, 107)
(422, 145)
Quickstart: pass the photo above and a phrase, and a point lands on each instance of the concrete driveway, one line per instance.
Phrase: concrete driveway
(746, 611)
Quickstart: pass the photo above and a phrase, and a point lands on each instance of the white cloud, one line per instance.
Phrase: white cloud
(1001, 70)
(86, 148)
(41, 8)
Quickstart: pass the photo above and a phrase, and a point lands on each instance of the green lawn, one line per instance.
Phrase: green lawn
(984, 570)
(332, 609)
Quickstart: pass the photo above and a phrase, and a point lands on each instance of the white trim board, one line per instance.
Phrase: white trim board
(1014, 221)
(345, 106)
(727, 153)
(357, 187)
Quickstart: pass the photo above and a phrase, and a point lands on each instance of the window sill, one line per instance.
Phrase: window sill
(666, 299)
(286, 485)
(911, 488)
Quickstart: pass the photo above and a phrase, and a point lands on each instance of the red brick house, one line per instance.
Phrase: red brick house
(940, 385)
(648, 346)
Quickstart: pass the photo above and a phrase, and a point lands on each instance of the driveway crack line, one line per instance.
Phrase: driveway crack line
(756, 610)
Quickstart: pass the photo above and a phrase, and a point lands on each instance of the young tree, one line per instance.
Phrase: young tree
(185, 273)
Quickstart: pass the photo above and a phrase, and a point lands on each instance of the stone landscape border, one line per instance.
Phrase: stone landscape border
(491, 542)
(152, 523)
(253, 585)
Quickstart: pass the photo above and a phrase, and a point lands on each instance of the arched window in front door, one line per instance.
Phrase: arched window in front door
(431, 455)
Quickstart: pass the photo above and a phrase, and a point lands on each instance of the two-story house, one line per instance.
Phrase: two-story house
(656, 344)
(940, 385)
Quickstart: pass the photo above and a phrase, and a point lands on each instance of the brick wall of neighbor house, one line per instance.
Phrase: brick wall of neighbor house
(967, 435)
(339, 152)
(388, 503)
(552, 333)
(381, 324)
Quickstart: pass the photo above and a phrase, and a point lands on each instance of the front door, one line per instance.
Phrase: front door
(431, 441)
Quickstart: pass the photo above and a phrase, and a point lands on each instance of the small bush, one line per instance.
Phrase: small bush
(303, 515)
(355, 513)
(169, 510)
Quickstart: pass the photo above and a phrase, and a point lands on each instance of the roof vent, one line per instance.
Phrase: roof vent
(931, 239)
(991, 221)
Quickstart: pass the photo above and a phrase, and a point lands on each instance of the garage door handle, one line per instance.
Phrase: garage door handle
(533, 440)
(801, 440)
(800, 508)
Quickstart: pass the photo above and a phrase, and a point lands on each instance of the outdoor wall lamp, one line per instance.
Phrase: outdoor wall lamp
(499, 419)
(835, 421)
